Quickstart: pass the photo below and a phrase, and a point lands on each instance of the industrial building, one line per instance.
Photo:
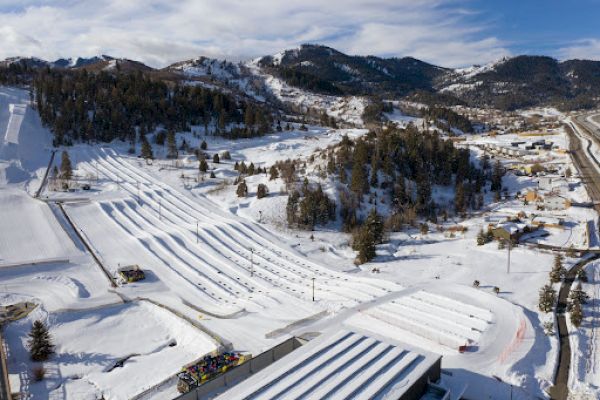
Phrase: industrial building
(346, 365)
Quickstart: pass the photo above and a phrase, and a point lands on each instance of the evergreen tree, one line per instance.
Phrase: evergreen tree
(66, 169)
(40, 343)
(547, 298)
(374, 223)
(578, 295)
(459, 198)
(203, 145)
(497, 175)
(576, 314)
(171, 145)
(291, 208)
(364, 243)
(216, 159)
(242, 189)
(262, 191)
(147, 153)
(558, 270)
(273, 173)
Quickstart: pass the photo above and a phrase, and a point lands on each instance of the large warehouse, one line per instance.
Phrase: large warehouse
(344, 365)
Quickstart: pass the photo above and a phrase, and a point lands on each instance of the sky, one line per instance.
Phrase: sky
(450, 33)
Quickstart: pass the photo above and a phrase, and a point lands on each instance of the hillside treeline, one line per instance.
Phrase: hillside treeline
(88, 106)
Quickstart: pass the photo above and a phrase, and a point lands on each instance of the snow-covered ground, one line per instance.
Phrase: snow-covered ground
(233, 267)
(114, 352)
(584, 379)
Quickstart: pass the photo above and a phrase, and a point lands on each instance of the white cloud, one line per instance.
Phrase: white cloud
(159, 32)
(588, 49)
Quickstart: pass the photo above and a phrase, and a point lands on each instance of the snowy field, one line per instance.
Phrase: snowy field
(113, 352)
(234, 268)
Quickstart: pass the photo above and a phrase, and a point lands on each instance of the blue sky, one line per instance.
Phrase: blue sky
(450, 33)
(541, 27)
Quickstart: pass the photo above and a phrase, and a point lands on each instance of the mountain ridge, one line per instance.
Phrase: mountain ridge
(508, 83)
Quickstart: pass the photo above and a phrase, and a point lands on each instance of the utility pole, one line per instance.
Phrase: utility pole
(313, 288)
(251, 262)
(508, 260)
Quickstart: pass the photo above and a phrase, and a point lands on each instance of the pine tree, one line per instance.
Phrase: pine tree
(216, 159)
(40, 343)
(459, 197)
(497, 175)
(363, 242)
(147, 153)
(203, 145)
(576, 315)
(171, 145)
(291, 208)
(242, 189)
(273, 173)
(203, 165)
(578, 295)
(558, 271)
(66, 169)
(374, 223)
(262, 191)
(547, 298)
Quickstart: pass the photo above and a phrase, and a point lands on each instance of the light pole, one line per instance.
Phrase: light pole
(508, 260)
(251, 262)
(313, 288)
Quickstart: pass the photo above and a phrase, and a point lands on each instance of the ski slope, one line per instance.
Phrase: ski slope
(235, 265)
(30, 233)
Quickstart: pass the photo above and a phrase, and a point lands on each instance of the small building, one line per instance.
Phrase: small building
(131, 273)
(510, 231)
(556, 202)
(533, 196)
(347, 365)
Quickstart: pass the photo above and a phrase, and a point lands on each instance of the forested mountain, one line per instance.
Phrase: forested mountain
(526, 81)
(329, 71)
(107, 105)
(174, 101)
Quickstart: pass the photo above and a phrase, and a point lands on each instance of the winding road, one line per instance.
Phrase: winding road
(582, 136)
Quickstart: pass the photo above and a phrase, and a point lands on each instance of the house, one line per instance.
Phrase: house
(532, 197)
(510, 230)
(555, 202)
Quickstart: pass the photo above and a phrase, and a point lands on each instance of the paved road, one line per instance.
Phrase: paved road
(4, 391)
(584, 159)
(560, 391)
